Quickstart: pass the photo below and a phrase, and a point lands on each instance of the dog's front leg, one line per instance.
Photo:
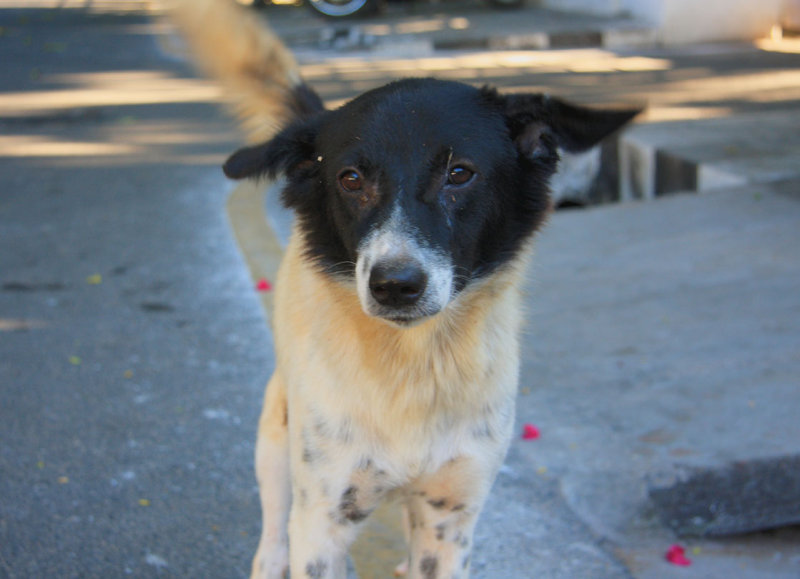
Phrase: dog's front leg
(272, 471)
(442, 512)
(335, 488)
(318, 544)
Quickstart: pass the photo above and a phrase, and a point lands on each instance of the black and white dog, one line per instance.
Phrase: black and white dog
(398, 303)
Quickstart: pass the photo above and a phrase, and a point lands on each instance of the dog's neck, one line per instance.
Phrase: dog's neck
(436, 368)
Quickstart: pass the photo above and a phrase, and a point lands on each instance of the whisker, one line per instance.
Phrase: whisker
(341, 267)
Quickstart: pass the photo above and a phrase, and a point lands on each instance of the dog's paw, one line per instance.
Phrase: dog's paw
(268, 572)
(270, 565)
(402, 569)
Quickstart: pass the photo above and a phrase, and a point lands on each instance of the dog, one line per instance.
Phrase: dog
(398, 302)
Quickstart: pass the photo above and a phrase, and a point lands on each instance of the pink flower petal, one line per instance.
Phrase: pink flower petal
(677, 556)
(530, 432)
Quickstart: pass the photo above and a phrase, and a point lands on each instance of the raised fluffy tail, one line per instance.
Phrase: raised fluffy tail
(259, 75)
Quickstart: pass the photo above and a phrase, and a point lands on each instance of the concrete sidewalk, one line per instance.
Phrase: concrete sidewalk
(664, 338)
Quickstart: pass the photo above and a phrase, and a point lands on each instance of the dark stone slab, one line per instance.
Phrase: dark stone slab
(741, 497)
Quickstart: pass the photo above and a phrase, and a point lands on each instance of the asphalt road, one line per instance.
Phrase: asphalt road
(133, 350)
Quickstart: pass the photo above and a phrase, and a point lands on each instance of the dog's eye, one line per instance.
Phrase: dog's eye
(459, 175)
(350, 180)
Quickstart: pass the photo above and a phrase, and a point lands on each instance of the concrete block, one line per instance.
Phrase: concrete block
(707, 154)
(740, 497)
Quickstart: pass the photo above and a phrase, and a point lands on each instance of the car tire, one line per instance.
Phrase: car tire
(342, 8)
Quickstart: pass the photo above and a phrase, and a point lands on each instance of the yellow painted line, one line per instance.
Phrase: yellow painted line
(257, 241)
(381, 545)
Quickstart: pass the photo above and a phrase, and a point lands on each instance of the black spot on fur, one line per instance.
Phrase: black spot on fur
(440, 531)
(437, 503)
(311, 453)
(316, 569)
(458, 507)
(429, 567)
(330, 430)
(349, 508)
(349, 496)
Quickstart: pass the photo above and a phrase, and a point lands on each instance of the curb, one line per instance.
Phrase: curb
(354, 37)
(590, 38)
(657, 159)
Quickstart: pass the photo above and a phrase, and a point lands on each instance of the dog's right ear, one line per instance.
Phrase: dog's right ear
(536, 119)
(289, 150)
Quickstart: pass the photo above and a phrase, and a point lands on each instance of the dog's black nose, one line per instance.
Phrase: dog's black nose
(397, 284)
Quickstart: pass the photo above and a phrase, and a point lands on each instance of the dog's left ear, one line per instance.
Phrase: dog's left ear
(289, 150)
(537, 122)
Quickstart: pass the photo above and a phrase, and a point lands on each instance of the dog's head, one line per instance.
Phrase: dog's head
(418, 188)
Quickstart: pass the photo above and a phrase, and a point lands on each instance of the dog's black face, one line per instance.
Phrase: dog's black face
(420, 187)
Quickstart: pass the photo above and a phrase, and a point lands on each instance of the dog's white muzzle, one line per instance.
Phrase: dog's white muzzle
(398, 278)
